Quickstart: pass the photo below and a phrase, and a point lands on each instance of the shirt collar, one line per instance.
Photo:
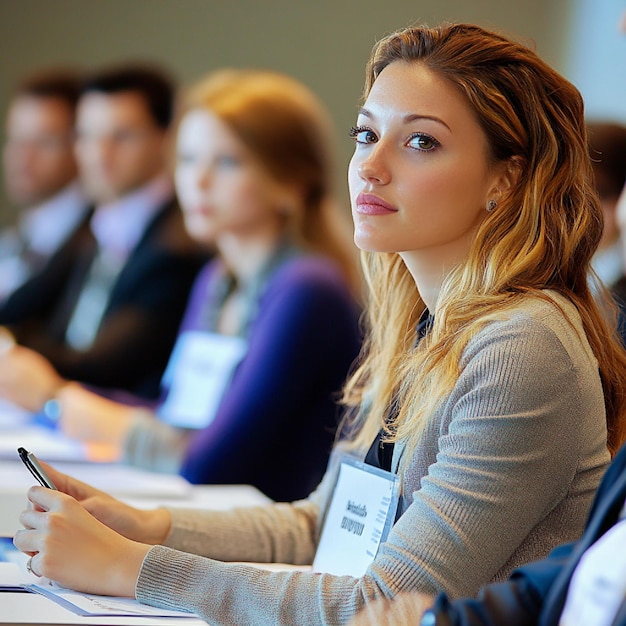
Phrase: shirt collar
(118, 226)
(47, 225)
(608, 264)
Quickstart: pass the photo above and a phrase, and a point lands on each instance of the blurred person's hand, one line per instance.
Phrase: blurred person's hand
(404, 610)
(86, 416)
(27, 378)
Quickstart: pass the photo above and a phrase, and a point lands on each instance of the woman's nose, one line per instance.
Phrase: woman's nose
(373, 167)
(203, 177)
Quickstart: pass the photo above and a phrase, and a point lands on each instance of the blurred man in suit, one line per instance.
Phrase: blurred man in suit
(106, 312)
(40, 175)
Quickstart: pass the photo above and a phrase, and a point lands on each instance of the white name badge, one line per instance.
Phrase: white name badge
(598, 585)
(198, 372)
(360, 515)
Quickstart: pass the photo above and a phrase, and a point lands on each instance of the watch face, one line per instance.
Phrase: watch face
(429, 619)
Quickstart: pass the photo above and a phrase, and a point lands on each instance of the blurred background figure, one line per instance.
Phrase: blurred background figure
(106, 311)
(607, 146)
(271, 327)
(40, 174)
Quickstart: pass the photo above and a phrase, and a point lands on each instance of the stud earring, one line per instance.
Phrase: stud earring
(491, 205)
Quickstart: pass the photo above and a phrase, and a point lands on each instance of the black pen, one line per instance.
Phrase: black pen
(31, 462)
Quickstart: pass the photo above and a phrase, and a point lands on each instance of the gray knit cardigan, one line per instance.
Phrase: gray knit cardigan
(505, 470)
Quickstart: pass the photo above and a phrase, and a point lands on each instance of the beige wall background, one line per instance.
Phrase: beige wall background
(324, 43)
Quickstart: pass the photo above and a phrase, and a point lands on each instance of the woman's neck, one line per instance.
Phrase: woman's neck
(429, 275)
(246, 257)
(430, 267)
(428, 279)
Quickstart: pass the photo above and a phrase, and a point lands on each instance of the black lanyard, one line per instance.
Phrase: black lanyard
(380, 452)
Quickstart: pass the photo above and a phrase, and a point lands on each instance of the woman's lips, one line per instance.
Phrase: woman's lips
(369, 204)
(199, 210)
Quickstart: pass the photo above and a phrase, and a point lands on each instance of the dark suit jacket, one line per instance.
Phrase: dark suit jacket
(535, 594)
(141, 319)
(619, 293)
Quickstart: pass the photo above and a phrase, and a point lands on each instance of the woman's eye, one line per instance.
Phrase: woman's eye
(363, 135)
(423, 142)
(227, 160)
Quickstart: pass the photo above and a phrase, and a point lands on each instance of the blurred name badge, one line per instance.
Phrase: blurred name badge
(360, 515)
(198, 372)
(598, 585)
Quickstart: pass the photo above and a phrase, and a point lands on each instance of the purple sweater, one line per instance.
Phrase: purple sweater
(276, 423)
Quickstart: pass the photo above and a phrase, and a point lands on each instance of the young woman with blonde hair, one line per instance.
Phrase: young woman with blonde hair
(488, 383)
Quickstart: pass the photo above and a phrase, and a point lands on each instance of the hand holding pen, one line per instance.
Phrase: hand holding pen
(113, 537)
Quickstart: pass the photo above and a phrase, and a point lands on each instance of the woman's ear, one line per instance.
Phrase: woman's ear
(512, 172)
(507, 177)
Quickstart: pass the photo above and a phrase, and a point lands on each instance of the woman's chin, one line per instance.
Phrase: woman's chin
(371, 244)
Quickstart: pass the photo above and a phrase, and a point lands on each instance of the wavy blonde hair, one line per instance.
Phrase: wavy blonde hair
(542, 235)
(290, 132)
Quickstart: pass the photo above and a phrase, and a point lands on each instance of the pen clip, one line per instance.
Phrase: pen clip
(35, 469)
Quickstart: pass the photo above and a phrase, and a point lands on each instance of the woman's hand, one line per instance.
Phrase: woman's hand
(151, 527)
(87, 416)
(27, 378)
(71, 547)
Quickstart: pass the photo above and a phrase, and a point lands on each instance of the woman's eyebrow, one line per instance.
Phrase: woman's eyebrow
(410, 117)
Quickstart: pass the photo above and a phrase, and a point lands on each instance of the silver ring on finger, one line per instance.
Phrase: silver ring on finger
(29, 568)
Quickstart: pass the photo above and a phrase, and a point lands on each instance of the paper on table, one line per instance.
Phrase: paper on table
(13, 416)
(11, 577)
(123, 480)
(47, 444)
(120, 480)
(93, 605)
